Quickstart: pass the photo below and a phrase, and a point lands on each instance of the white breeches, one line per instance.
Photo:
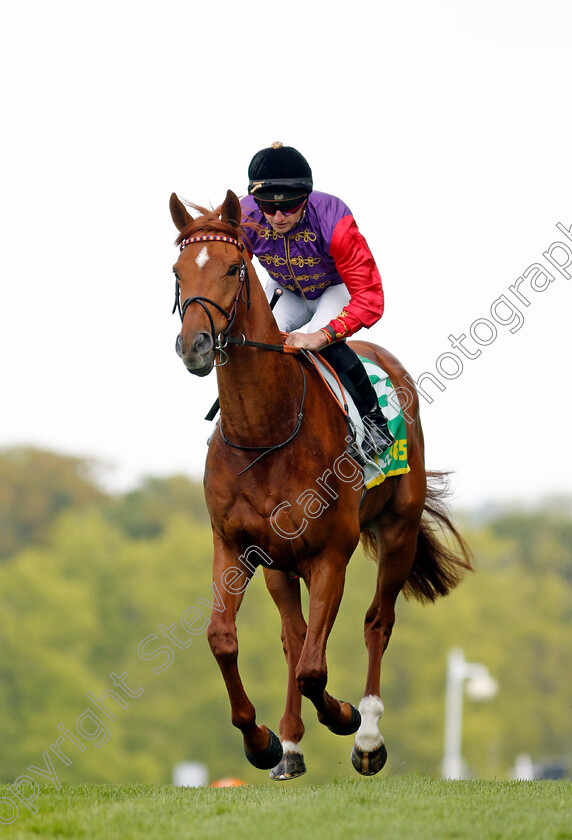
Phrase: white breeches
(292, 312)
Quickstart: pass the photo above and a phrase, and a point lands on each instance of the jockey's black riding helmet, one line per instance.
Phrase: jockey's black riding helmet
(279, 173)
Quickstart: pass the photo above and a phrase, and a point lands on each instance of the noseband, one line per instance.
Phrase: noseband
(220, 341)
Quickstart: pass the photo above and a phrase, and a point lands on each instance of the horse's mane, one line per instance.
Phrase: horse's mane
(209, 221)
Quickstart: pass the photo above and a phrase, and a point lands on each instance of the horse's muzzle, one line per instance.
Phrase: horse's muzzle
(197, 354)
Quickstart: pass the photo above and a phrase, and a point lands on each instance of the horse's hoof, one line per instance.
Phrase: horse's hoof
(369, 763)
(351, 726)
(291, 766)
(271, 756)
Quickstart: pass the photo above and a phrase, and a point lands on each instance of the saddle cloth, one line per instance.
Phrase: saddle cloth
(393, 461)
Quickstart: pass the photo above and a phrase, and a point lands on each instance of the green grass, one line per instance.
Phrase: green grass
(394, 808)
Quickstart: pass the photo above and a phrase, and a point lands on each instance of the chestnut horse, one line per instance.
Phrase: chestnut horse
(282, 493)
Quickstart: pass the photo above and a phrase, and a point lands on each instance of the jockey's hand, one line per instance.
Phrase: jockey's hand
(308, 341)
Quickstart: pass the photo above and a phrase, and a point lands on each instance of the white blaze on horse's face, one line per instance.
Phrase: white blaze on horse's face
(202, 257)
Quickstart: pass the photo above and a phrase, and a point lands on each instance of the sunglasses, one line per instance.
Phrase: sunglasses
(287, 207)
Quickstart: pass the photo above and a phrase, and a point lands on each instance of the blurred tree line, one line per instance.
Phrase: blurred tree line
(94, 584)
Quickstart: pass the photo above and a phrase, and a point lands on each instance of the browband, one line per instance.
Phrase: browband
(211, 237)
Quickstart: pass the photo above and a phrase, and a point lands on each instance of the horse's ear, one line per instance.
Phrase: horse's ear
(231, 211)
(179, 213)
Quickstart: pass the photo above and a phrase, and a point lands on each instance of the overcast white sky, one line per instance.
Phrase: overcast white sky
(446, 128)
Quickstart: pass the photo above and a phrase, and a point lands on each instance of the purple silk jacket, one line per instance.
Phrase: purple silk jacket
(325, 248)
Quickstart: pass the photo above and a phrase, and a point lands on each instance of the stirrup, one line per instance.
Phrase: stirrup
(378, 438)
(353, 450)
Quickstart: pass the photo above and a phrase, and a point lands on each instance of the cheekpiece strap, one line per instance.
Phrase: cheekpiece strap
(211, 237)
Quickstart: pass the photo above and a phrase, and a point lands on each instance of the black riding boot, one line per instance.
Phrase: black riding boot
(353, 376)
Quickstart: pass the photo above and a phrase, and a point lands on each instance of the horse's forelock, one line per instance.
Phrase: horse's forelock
(209, 221)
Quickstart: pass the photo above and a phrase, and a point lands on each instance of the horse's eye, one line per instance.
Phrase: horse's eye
(233, 270)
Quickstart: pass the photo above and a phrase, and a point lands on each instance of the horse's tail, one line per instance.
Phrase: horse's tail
(437, 568)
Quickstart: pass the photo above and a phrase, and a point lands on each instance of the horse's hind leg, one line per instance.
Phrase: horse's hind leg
(399, 540)
(286, 595)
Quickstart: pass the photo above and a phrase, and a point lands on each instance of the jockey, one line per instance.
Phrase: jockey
(312, 249)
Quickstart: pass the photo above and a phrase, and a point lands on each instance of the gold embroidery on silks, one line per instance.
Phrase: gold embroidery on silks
(342, 317)
(285, 277)
(302, 261)
(292, 273)
(290, 286)
(306, 235)
(270, 258)
(292, 280)
(269, 233)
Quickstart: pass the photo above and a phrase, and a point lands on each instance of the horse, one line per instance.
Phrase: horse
(284, 493)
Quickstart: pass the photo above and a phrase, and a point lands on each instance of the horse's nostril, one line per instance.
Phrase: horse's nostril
(178, 346)
(202, 343)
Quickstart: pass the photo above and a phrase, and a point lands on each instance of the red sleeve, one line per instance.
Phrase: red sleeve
(356, 266)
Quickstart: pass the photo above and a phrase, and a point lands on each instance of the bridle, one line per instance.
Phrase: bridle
(222, 339)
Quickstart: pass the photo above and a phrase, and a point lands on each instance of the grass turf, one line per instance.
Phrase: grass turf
(394, 808)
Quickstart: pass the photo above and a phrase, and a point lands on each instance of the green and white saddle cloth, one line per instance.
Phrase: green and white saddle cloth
(392, 461)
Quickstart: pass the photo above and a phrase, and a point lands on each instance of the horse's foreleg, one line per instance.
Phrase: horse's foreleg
(326, 585)
(369, 753)
(261, 745)
(285, 593)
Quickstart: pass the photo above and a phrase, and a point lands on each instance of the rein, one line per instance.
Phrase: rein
(267, 449)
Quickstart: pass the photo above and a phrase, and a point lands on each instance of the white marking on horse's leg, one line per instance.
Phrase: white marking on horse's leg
(202, 256)
(291, 747)
(368, 736)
